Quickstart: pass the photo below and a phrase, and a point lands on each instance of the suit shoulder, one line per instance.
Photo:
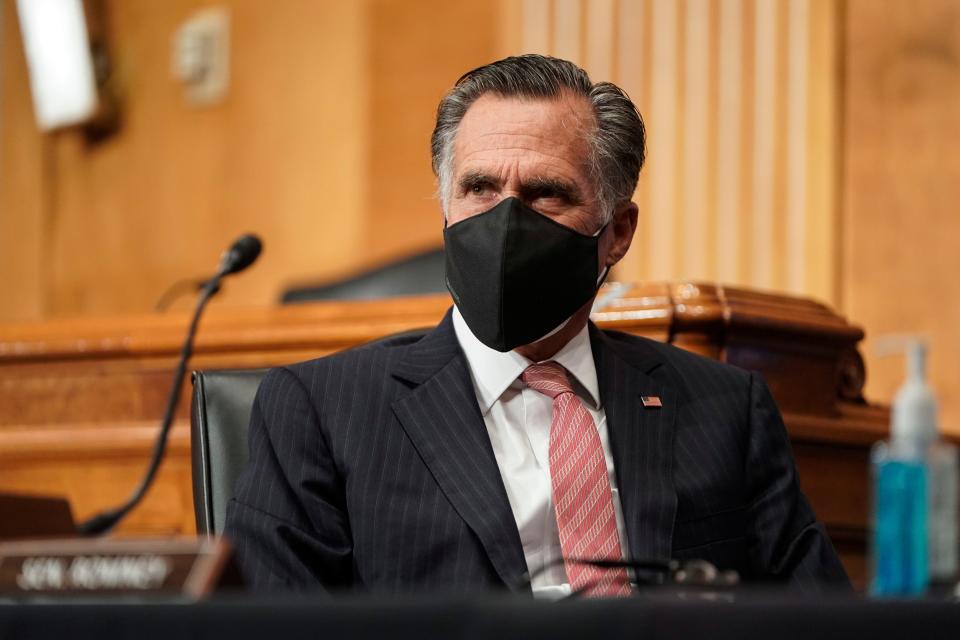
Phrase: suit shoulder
(379, 352)
(695, 372)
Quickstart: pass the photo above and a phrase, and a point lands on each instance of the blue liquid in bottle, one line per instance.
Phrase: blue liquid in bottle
(900, 561)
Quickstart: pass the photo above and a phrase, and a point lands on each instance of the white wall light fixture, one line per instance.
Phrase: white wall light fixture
(57, 46)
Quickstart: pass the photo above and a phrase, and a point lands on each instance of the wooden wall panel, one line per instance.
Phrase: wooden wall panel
(413, 62)
(321, 145)
(159, 200)
(902, 185)
(283, 155)
(23, 214)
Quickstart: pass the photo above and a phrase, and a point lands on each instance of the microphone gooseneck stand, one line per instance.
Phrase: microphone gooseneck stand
(241, 255)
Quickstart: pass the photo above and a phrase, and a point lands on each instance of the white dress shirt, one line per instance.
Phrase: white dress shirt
(518, 421)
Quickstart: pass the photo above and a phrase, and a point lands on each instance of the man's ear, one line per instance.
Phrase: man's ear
(624, 224)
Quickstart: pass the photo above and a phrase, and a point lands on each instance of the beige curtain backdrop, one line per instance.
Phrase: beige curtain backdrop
(739, 98)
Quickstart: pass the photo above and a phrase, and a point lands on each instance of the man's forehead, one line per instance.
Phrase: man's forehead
(575, 107)
(511, 125)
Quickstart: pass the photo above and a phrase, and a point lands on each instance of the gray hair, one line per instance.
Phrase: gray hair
(617, 144)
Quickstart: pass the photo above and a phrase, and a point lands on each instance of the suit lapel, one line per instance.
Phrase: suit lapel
(641, 439)
(442, 419)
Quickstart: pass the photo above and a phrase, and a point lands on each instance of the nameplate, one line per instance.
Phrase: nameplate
(191, 567)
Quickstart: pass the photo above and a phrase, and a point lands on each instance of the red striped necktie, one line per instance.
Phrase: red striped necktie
(583, 502)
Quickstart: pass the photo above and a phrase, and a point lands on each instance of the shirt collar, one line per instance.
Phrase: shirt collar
(493, 372)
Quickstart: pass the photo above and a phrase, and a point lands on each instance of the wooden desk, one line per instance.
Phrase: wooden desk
(80, 400)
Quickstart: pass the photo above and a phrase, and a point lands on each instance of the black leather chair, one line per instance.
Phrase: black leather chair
(416, 275)
(219, 417)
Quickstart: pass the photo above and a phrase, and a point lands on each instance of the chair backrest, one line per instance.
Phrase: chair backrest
(219, 417)
(415, 275)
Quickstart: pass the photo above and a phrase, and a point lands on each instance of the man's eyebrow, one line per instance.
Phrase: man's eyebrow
(529, 189)
(556, 187)
(473, 178)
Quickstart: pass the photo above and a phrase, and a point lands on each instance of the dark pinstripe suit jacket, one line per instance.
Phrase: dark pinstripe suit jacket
(372, 469)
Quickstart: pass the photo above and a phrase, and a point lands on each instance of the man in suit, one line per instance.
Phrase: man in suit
(515, 443)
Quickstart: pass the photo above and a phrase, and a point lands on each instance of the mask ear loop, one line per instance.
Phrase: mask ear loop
(606, 270)
(603, 276)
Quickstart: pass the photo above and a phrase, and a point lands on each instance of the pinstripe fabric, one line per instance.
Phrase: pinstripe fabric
(372, 469)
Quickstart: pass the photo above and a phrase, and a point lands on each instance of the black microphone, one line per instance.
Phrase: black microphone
(238, 257)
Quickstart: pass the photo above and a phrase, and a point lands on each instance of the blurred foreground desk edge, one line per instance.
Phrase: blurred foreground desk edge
(485, 617)
(80, 400)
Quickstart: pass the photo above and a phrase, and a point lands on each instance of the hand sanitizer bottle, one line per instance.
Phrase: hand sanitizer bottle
(944, 477)
(915, 493)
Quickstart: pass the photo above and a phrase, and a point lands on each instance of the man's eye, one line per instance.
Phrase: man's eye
(479, 189)
(552, 197)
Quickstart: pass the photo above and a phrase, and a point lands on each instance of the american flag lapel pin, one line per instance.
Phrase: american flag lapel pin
(651, 401)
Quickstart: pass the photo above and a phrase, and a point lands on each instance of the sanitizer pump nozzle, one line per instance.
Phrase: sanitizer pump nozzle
(914, 415)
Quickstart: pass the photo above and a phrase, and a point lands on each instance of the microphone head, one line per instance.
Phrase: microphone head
(244, 251)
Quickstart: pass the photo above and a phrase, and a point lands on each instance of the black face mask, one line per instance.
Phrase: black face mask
(516, 275)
